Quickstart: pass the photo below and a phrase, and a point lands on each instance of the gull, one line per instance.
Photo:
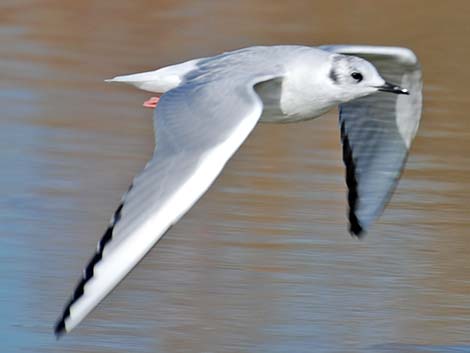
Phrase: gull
(209, 106)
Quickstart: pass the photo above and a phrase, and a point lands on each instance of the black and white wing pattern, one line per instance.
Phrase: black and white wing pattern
(377, 132)
(199, 126)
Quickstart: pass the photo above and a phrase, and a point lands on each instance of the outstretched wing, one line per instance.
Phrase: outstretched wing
(199, 125)
(377, 132)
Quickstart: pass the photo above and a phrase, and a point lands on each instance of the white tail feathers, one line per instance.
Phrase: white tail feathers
(158, 81)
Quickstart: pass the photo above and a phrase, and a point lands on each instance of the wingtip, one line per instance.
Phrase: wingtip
(404, 55)
(355, 228)
(357, 232)
(60, 329)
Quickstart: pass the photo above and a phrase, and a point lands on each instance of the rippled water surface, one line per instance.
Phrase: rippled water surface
(263, 263)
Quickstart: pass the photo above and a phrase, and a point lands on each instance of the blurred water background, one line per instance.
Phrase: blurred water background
(263, 263)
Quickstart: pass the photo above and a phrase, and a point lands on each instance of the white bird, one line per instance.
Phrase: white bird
(208, 108)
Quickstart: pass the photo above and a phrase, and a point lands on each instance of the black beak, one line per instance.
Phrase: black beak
(388, 87)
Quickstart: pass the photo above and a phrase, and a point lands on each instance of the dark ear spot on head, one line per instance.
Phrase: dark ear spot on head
(333, 76)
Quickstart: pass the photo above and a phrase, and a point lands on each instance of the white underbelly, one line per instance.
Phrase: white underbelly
(278, 117)
(274, 114)
(274, 111)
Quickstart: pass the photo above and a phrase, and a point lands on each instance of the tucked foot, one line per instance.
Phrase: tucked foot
(151, 103)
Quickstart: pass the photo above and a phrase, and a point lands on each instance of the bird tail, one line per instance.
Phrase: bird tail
(158, 81)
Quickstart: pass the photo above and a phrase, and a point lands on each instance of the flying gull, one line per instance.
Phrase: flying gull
(209, 106)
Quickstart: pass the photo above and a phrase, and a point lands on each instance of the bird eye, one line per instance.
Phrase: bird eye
(357, 76)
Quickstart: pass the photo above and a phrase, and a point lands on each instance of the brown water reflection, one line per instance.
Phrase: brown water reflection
(263, 263)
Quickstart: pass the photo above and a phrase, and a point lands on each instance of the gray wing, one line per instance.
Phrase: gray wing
(377, 132)
(199, 125)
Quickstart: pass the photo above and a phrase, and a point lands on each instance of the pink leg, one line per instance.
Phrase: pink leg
(152, 102)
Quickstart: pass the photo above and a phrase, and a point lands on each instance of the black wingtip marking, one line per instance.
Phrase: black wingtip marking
(60, 328)
(108, 235)
(355, 227)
